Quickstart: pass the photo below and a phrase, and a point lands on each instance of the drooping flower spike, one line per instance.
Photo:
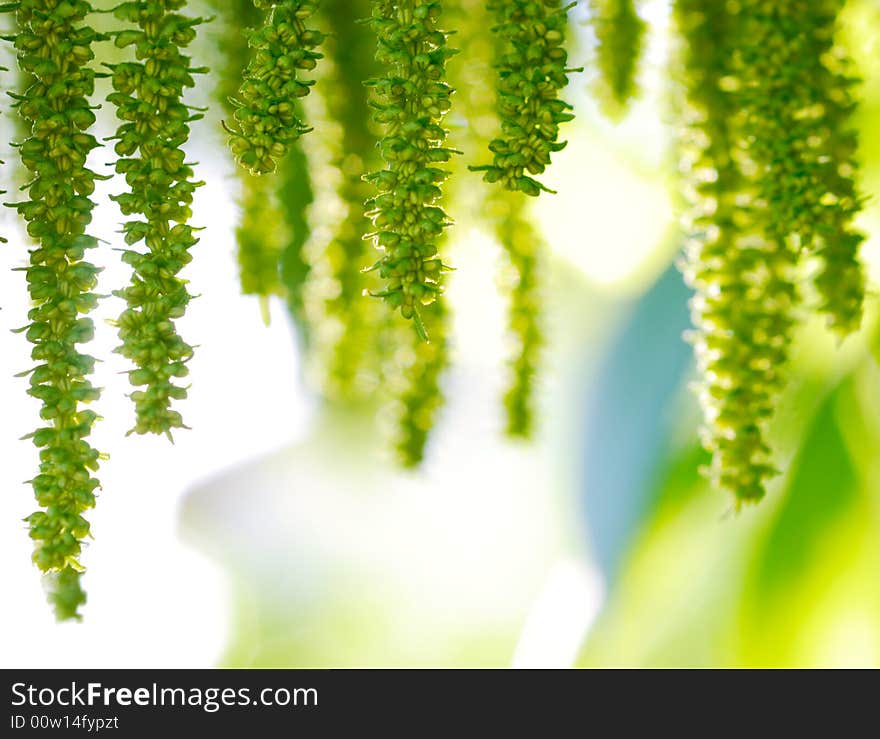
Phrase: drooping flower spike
(54, 45)
(411, 100)
(840, 280)
(744, 281)
(295, 196)
(420, 397)
(775, 183)
(267, 117)
(522, 247)
(784, 99)
(232, 21)
(345, 324)
(619, 35)
(148, 97)
(261, 234)
(531, 71)
(503, 213)
(779, 58)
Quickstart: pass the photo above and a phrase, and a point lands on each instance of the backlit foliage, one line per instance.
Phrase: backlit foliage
(361, 207)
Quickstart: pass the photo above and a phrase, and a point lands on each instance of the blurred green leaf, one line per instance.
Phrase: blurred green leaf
(824, 485)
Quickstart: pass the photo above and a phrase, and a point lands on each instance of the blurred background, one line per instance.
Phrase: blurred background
(280, 533)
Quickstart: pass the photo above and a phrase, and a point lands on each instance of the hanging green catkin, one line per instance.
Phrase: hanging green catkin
(148, 98)
(782, 111)
(531, 71)
(273, 226)
(795, 116)
(522, 246)
(504, 212)
(619, 36)
(267, 117)
(322, 256)
(295, 195)
(344, 322)
(261, 233)
(414, 367)
(261, 237)
(411, 100)
(54, 48)
(743, 282)
(781, 103)
(770, 116)
(841, 279)
(228, 35)
(420, 397)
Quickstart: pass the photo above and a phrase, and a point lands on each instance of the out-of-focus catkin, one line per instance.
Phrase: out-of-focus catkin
(620, 34)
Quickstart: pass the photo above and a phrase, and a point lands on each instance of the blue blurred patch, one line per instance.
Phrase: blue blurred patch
(628, 420)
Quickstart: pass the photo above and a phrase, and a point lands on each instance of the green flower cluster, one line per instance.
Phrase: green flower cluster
(531, 68)
(148, 98)
(54, 48)
(411, 100)
(295, 195)
(421, 398)
(345, 324)
(332, 294)
(261, 237)
(744, 285)
(771, 164)
(841, 279)
(619, 34)
(778, 54)
(500, 211)
(522, 246)
(742, 328)
(503, 212)
(777, 57)
(232, 21)
(261, 233)
(267, 117)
